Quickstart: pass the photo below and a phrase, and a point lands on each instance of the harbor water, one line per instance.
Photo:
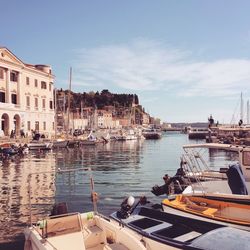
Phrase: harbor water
(119, 169)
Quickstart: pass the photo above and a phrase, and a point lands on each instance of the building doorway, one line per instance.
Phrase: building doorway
(17, 124)
(37, 126)
(5, 124)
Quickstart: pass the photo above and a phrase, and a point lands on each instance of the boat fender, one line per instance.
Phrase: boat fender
(94, 197)
(41, 224)
(88, 216)
(203, 204)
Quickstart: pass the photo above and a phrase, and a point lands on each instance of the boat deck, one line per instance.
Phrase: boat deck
(180, 232)
(214, 186)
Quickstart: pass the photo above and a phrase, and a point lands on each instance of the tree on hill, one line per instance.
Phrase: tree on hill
(98, 100)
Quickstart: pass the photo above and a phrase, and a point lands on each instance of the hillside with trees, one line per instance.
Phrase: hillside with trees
(96, 99)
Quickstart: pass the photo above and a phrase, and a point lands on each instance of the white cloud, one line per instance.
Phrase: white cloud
(150, 65)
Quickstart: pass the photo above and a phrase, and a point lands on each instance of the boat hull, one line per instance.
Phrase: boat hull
(233, 214)
(80, 232)
(40, 146)
(179, 232)
(60, 144)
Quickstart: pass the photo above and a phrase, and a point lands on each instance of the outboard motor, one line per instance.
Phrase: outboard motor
(60, 208)
(160, 190)
(126, 207)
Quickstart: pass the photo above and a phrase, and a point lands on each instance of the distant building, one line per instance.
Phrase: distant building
(166, 125)
(104, 119)
(145, 119)
(26, 96)
(124, 122)
(155, 121)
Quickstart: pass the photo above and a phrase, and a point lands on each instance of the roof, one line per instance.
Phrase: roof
(19, 61)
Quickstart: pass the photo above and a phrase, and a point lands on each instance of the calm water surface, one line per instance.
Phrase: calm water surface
(118, 168)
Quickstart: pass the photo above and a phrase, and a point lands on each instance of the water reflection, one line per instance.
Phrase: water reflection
(221, 158)
(14, 200)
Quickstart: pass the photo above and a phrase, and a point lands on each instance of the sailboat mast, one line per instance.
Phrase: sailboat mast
(241, 107)
(55, 110)
(70, 77)
(248, 112)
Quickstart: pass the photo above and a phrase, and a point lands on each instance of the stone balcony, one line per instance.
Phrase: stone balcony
(9, 106)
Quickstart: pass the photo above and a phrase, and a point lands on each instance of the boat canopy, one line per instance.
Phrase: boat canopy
(223, 238)
(236, 179)
(243, 153)
(229, 147)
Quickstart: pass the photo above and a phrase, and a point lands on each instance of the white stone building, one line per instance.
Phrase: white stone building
(26, 96)
(145, 119)
(104, 119)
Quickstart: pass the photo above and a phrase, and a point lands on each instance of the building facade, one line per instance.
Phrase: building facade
(26, 96)
(104, 119)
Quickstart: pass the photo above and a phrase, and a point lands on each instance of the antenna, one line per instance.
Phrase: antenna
(247, 111)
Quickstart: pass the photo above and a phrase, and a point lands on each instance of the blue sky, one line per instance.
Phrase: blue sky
(184, 59)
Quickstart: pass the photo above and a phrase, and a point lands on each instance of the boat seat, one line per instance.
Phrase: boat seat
(68, 241)
(95, 229)
(188, 236)
(60, 225)
(194, 206)
(93, 236)
(158, 227)
(210, 211)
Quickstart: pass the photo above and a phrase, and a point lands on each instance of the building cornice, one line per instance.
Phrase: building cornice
(27, 68)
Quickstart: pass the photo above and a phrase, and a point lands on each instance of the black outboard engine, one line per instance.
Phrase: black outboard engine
(160, 190)
(36, 137)
(60, 208)
(126, 207)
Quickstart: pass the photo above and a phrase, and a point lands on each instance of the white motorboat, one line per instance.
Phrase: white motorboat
(197, 133)
(40, 145)
(229, 183)
(216, 181)
(151, 133)
(223, 181)
(60, 143)
(126, 135)
(79, 232)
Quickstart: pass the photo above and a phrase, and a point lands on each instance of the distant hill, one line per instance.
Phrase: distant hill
(98, 100)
